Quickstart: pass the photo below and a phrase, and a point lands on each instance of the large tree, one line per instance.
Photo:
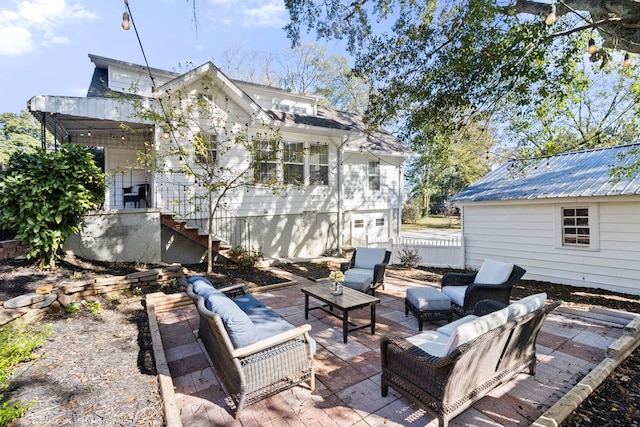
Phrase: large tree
(446, 64)
(18, 132)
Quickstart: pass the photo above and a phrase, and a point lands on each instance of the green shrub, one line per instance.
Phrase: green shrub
(45, 195)
(246, 258)
(17, 344)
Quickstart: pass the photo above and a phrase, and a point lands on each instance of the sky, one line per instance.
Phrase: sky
(44, 44)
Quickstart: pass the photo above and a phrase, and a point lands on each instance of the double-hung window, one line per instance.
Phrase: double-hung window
(374, 175)
(318, 164)
(206, 148)
(575, 227)
(293, 163)
(266, 169)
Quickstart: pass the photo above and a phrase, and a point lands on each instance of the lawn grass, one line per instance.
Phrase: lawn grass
(439, 222)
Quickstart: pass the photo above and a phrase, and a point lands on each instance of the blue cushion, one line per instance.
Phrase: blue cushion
(239, 326)
(204, 288)
(267, 322)
(193, 279)
(246, 302)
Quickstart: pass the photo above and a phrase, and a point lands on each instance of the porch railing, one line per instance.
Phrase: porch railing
(181, 201)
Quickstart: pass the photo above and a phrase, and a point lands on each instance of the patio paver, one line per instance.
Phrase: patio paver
(348, 375)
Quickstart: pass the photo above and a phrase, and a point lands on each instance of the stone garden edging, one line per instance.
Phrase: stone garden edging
(33, 306)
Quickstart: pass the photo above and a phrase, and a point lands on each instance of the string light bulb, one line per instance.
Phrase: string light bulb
(89, 134)
(627, 61)
(181, 161)
(165, 135)
(551, 16)
(125, 21)
(592, 47)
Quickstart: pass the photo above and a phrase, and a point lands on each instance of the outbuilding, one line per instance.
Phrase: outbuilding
(565, 219)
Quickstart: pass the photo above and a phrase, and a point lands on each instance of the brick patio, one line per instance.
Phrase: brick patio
(348, 375)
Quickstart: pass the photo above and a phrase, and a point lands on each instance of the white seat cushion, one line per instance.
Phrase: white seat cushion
(455, 293)
(450, 328)
(473, 329)
(369, 257)
(431, 342)
(493, 272)
(526, 305)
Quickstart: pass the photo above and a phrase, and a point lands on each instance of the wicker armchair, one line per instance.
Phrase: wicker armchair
(475, 292)
(365, 271)
(446, 386)
(259, 370)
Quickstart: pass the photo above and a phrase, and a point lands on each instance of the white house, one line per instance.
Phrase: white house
(341, 185)
(563, 219)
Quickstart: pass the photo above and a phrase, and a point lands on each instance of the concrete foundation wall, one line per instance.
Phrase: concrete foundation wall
(131, 235)
(178, 249)
(306, 235)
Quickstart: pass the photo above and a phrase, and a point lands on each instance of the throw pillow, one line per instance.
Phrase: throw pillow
(240, 328)
(493, 272)
(204, 288)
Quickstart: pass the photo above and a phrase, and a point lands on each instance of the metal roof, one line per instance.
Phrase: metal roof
(577, 174)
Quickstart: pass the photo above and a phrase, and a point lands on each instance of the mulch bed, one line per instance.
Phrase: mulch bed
(98, 369)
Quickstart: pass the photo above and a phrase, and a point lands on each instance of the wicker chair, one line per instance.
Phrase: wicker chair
(448, 385)
(475, 292)
(365, 272)
(260, 370)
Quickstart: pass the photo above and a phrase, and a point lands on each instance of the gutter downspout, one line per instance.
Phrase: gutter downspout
(340, 195)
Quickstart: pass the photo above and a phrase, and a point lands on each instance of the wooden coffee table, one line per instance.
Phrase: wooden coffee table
(349, 300)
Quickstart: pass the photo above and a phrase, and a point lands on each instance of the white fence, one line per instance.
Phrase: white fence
(441, 253)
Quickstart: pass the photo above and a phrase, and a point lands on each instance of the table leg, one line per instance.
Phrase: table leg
(373, 319)
(306, 306)
(345, 325)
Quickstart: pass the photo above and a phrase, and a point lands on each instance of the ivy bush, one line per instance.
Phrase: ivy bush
(45, 195)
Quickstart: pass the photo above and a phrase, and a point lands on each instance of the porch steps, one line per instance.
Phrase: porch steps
(190, 232)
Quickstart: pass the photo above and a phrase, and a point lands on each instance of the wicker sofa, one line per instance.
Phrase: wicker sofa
(447, 370)
(255, 353)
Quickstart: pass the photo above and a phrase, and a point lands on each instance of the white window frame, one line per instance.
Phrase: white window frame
(272, 166)
(593, 216)
(293, 156)
(318, 163)
(211, 141)
(373, 177)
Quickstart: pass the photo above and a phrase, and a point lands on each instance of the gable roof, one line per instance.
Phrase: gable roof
(79, 114)
(577, 174)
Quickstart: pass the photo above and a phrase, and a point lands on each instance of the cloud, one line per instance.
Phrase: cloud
(38, 22)
(269, 14)
(15, 41)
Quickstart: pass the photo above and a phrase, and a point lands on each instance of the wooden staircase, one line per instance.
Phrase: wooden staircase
(191, 233)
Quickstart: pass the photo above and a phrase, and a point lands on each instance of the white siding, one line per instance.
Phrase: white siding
(525, 233)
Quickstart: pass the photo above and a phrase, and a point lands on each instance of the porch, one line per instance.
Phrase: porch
(348, 375)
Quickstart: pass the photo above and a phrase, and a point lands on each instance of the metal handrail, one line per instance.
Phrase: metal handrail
(190, 204)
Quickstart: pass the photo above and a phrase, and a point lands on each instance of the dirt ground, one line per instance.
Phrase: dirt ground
(97, 369)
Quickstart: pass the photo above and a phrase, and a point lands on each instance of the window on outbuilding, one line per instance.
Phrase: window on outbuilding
(575, 227)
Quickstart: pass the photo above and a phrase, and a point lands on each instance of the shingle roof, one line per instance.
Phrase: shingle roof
(380, 139)
(576, 174)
